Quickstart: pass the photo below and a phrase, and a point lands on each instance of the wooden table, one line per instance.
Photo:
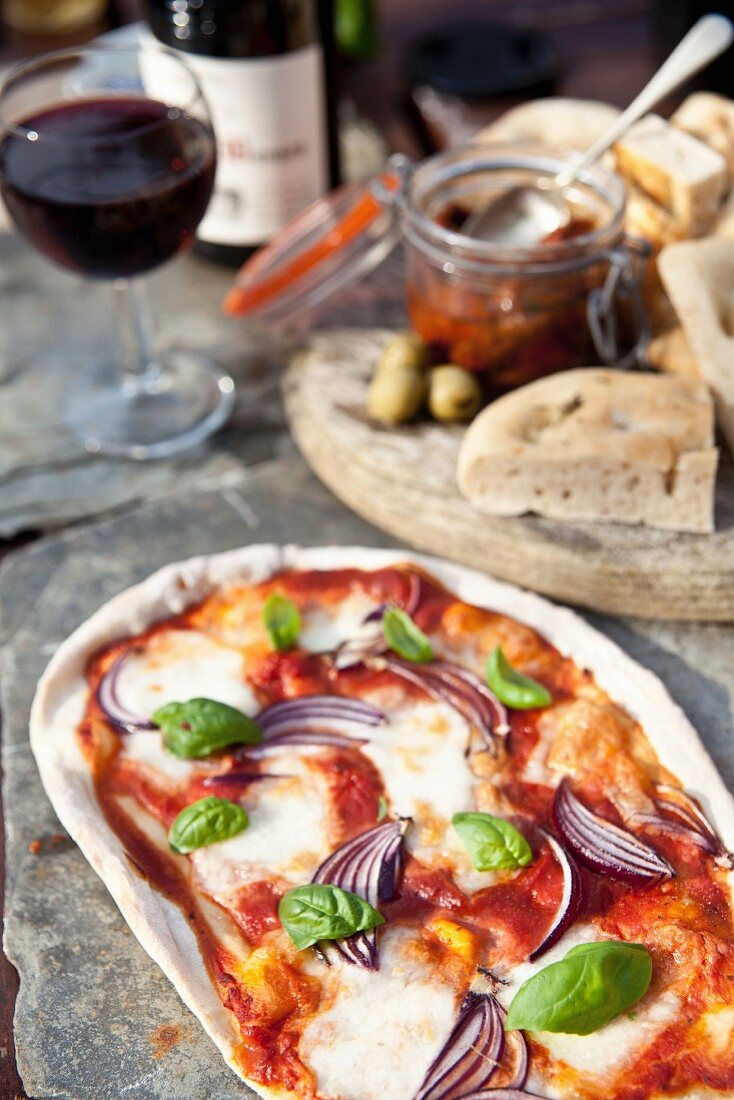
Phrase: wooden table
(607, 52)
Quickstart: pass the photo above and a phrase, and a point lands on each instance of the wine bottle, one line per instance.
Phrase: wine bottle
(262, 65)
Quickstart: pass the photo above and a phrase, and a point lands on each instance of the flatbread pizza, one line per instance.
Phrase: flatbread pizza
(397, 831)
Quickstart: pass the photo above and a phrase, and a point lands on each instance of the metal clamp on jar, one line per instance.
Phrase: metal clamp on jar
(512, 312)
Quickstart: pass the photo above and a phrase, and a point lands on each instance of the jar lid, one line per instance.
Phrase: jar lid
(482, 60)
(339, 239)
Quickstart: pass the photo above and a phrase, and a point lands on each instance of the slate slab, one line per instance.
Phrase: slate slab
(95, 1019)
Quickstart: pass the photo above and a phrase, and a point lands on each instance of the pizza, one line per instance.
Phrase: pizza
(397, 831)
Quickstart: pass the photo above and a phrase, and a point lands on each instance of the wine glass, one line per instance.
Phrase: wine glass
(107, 160)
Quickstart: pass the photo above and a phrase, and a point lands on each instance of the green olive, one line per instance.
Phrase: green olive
(403, 350)
(453, 393)
(396, 395)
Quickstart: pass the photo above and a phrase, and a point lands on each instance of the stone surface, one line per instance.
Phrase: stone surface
(53, 325)
(95, 1019)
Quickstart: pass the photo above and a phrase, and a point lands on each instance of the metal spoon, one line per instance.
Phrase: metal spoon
(523, 215)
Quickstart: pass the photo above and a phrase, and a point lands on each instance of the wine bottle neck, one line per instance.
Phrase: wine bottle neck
(234, 28)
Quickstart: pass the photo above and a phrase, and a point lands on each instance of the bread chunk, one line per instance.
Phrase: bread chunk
(676, 170)
(647, 218)
(724, 224)
(699, 277)
(556, 121)
(596, 444)
(671, 352)
(710, 118)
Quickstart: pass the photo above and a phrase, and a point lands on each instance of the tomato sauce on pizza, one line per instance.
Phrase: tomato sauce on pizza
(432, 774)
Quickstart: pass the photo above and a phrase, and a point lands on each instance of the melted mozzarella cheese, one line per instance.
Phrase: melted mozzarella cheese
(286, 837)
(177, 665)
(381, 1029)
(718, 1026)
(609, 1049)
(324, 628)
(146, 747)
(421, 753)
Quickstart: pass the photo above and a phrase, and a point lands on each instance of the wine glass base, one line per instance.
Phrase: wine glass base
(150, 417)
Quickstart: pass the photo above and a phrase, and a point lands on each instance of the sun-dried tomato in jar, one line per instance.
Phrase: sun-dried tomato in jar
(518, 313)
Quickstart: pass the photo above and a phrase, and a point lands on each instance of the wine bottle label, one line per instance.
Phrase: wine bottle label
(269, 119)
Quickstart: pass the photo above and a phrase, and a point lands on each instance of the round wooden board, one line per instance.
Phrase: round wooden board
(403, 480)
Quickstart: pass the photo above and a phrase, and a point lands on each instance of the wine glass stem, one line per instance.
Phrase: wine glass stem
(140, 370)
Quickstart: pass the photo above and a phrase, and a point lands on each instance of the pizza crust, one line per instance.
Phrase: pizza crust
(158, 924)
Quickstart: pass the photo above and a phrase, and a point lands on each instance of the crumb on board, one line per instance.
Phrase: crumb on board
(46, 843)
(164, 1038)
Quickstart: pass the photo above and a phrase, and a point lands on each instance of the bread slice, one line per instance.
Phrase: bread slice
(596, 444)
(724, 224)
(671, 352)
(645, 217)
(710, 118)
(676, 170)
(699, 277)
(556, 121)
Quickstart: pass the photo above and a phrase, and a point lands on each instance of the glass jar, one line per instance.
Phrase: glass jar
(512, 313)
(518, 313)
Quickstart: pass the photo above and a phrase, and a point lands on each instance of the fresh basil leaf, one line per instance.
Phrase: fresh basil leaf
(590, 986)
(404, 637)
(282, 621)
(511, 687)
(382, 808)
(202, 726)
(492, 843)
(205, 822)
(322, 912)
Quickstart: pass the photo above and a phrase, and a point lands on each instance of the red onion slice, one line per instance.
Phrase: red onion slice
(461, 689)
(415, 592)
(500, 1094)
(370, 865)
(117, 714)
(682, 807)
(518, 1055)
(492, 713)
(516, 1040)
(369, 641)
(668, 825)
(309, 739)
(606, 848)
(312, 721)
(572, 896)
(239, 779)
(317, 712)
(471, 1052)
(410, 602)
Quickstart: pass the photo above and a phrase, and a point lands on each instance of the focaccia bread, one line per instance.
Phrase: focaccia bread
(671, 352)
(575, 836)
(699, 277)
(559, 122)
(646, 217)
(710, 118)
(724, 224)
(676, 170)
(596, 445)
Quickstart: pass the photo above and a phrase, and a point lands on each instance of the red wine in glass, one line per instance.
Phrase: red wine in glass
(110, 182)
(111, 187)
